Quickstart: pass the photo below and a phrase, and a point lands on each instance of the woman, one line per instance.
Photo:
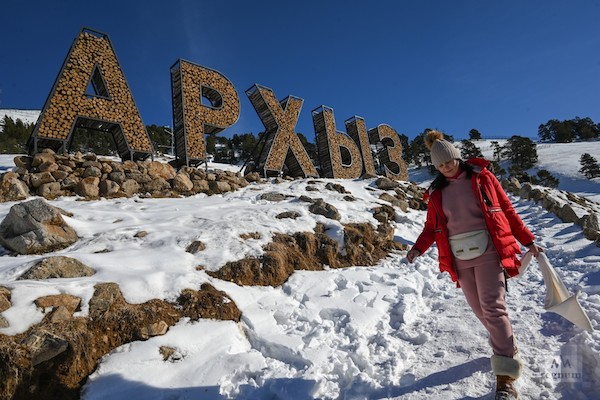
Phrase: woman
(476, 229)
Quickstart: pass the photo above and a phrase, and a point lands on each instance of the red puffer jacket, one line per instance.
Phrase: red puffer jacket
(503, 222)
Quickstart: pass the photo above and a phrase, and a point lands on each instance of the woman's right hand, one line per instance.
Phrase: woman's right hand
(412, 254)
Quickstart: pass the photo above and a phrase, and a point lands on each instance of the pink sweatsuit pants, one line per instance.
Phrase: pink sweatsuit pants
(483, 286)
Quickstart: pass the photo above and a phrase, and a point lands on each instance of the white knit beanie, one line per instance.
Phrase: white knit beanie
(442, 150)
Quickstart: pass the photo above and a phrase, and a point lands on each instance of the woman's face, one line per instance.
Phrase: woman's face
(449, 168)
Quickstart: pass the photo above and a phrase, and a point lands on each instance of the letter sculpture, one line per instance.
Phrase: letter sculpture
(282, 145)
(91, 62)
(190, 83)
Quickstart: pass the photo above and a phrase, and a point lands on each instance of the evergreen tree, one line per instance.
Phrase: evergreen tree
(474, 134)
(406, 151)
(469, 150)
(589, 166)
(545, 178)
(568, 130)
(521, 152)
(515, 171)
(93, 141)
(500, 152)
(585, 128)
(418, 150)
(497, 169)
(13, 139)
(161, 138)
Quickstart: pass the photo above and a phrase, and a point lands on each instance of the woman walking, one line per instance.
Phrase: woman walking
(476, 230)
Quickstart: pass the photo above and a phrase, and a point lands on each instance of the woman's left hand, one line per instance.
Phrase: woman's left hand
(535, 249)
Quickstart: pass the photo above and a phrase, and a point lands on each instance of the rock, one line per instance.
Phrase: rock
(156, 185)
(35, 227)
(288, 214)
(320, 207)
(4, 303)
(105, 295)
(58, 267)
(336, 187)
(272, 196)
(12, 188)
(217, 187)
(43, 346)
(182, 183)
(117, 176)
(38, 179)
(109, 188)
(157, 169)
(69, 302)
(88, 187)
(566, 213)
(252, 177)
(92, 171)
(195, 247)
(60, 314)
(156, 329)
(45, 157)
(23, 162)
(200, 186)
(130, 187)
(591, 226)
(50, 190)
(385, 183)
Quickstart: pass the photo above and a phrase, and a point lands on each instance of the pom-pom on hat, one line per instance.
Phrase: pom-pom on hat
(441, 150)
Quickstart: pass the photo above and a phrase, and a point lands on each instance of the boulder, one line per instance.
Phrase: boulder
(35, 227)
(320, 207)
(58, 267)
(12, 188)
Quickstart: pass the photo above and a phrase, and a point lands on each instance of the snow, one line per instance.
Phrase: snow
(390, 331)
(27, 116)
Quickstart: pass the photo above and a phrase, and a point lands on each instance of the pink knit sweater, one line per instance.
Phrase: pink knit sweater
(461, 207)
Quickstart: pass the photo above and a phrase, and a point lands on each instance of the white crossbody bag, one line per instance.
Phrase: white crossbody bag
(469, 245)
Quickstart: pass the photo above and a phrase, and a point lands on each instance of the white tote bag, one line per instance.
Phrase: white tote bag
(558, 299)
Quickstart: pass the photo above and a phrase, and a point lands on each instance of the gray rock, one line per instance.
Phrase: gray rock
(271, 196)
(43, 346)
(58, 267)
(320, 207)
(386, 184)
(12, 188)
(35, 227)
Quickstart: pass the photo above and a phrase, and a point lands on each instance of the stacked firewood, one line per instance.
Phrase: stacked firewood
(190, 83)
(391, 155)
(339, 155)
(92, 57)
(280, 123)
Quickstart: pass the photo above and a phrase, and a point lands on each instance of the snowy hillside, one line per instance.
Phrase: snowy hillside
(27, 116)
(390, 331)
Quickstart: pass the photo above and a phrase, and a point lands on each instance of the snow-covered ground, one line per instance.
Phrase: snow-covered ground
(390, 331)
(27, 116)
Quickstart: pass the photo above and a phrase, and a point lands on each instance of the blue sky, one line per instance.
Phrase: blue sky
(501, 67)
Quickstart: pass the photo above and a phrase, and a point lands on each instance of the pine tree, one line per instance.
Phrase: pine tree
(13, 139)
(474, 134)
(521, 152)
(469, 150)
(545, 178)
(589, 166)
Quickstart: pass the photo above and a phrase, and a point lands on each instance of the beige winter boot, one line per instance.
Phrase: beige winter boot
(507, 370)
(505, 390)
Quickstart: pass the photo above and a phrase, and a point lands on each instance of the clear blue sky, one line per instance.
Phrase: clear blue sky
(501, 67)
